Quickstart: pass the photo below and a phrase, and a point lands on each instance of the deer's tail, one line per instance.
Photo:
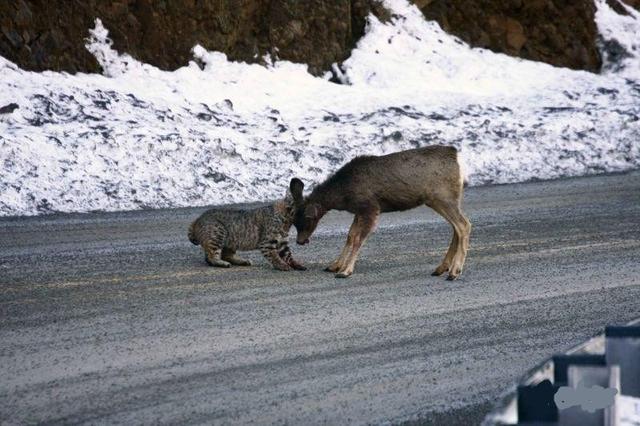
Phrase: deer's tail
(464, 170)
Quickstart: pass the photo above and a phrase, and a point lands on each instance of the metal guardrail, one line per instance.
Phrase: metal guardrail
(554, 371)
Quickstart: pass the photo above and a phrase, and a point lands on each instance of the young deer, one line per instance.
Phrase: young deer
(369, 185)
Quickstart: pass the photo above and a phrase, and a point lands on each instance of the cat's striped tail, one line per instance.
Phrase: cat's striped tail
(192, 234)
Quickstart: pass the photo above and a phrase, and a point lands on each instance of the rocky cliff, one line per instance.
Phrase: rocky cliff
(49, 34)
(559, 32)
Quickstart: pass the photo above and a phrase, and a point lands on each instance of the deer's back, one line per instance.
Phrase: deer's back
(398, 181)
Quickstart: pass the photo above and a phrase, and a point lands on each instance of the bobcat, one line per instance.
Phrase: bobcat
(223, 231)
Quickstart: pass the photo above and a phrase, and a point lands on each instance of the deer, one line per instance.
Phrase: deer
(370, 185)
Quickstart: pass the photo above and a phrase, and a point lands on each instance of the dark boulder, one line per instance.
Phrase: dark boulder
(559, 32)
(50, 34)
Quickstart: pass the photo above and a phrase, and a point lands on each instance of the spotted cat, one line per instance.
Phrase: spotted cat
(223, 231)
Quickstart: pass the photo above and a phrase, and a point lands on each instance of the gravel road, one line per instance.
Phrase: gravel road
(115, 317)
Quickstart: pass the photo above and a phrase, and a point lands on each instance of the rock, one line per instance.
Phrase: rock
(633, 3)
(515, 35)
(618, 7)
(8, 109)
(559, 32)
(13, 37)
(316, 32)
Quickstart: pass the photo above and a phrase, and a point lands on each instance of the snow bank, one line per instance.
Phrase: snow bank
(231, 132)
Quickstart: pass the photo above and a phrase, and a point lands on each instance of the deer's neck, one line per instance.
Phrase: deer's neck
(325, 199)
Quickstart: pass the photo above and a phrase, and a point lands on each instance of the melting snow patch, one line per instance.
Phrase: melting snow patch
(220, 131)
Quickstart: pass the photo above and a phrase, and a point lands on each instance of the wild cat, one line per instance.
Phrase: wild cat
(222, 231)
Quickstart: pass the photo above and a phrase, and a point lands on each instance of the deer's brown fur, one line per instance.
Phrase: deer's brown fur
(369, 185)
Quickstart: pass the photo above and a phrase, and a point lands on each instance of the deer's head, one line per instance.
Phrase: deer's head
(308, 213)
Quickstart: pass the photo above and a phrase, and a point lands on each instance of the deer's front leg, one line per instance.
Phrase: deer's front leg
(366, 223)
(270, 250)
(340, 262)
(287, 257)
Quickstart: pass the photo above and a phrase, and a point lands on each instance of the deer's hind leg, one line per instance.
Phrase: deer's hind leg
(448, 257)
(457, 252)
(463, 228)
(229, 255)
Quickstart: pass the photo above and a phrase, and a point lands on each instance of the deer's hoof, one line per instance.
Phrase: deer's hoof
(454, 273)
(343, 275)
(441, 269)
(331, 269)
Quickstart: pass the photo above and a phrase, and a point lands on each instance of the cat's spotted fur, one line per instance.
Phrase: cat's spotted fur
(223, 231)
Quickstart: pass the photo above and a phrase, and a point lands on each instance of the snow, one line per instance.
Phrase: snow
(139, 137)
(624, 32)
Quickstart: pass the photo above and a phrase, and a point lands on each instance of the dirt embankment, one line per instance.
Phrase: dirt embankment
(49, 35)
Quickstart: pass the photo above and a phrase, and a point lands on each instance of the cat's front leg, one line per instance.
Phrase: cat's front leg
(270, 250)
(287, 256)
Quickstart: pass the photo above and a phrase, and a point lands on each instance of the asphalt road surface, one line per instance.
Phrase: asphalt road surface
(115, 318)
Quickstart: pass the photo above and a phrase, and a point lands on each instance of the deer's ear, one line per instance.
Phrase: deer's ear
(296, 187)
